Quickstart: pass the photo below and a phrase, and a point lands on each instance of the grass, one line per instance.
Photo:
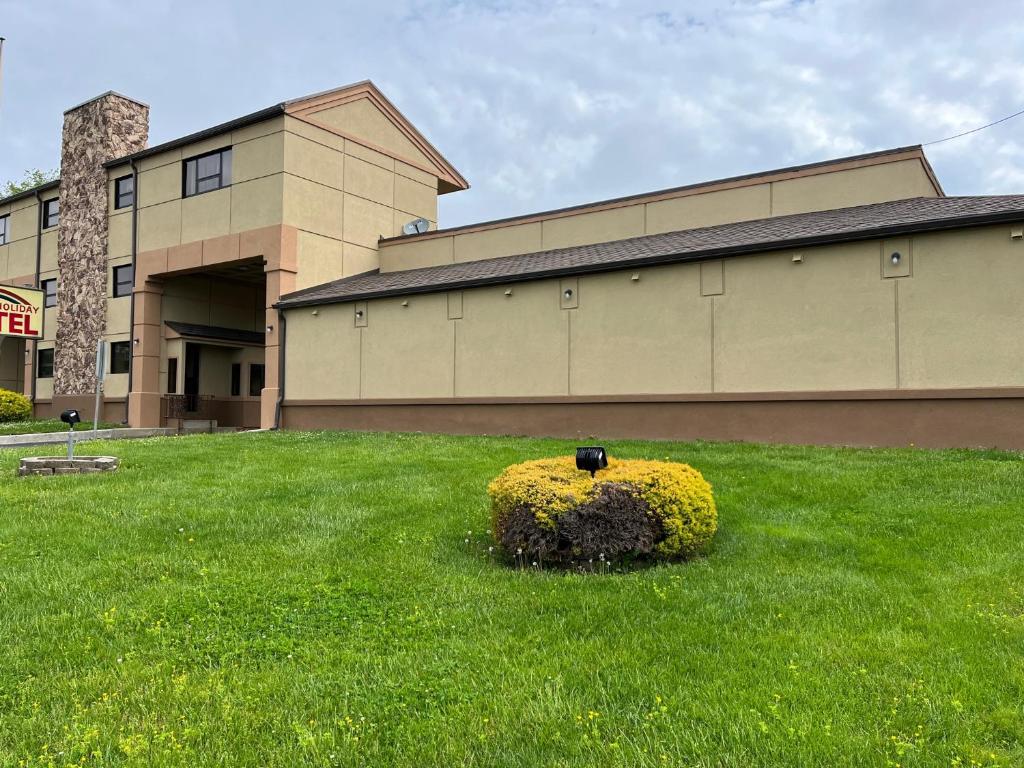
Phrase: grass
(329, 599)
(34, 426)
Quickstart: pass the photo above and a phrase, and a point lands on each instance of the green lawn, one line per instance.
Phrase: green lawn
(48, 425)
(311, 599)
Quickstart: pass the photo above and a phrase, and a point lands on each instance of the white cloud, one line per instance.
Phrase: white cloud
(549, 103)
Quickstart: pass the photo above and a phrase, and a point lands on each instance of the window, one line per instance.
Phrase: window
(172, 375)
(255, 379)
(236, 379)
(51, 213)
(120, 356)
(44, 366)
(5, 229)
(124, 192)
(207, 173)
(123, 281)
(49, 292)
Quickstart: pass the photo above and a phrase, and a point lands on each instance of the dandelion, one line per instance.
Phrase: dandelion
(181, 530)
(490, 549)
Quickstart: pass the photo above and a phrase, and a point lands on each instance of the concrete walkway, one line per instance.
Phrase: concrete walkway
(81, 435)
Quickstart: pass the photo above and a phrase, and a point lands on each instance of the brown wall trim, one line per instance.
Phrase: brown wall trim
(929, 422)
(111, 409)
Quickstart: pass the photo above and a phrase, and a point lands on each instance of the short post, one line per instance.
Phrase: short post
(101, 368)
(71, 417)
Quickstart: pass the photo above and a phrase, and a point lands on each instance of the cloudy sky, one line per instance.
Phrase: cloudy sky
(546, 104)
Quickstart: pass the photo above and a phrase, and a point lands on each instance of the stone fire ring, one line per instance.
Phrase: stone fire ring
(55, 465)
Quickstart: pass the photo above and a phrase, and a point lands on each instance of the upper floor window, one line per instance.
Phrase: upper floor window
(123, 281)
(124, 192)
(49, 292)
(51, 213)
(5, 229)
(44, 364)
(207, 172)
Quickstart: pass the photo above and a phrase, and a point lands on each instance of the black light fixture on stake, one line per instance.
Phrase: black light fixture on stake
(591, 458)
(71, 417)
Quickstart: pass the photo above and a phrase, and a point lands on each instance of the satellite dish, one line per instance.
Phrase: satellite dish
(416, 227)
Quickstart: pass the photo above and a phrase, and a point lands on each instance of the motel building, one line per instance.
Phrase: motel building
(287, 269)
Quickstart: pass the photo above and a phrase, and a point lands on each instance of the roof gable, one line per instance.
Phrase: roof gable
(362, 113)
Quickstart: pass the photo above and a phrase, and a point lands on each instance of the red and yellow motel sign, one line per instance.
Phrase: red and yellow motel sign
(21, 312)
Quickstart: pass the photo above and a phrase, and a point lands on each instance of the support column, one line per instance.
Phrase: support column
(280, 269)
(144, 399)
(30, 369)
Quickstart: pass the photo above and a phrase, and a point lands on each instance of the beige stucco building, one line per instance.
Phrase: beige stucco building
(257, 274)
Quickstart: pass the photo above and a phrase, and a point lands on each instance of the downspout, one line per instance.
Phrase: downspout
(282, 327)
(39, 264)
(131, 304)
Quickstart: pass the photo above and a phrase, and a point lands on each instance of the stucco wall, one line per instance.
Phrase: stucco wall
(781, 194)
(833, 321)
(343, 197)
(253, 200)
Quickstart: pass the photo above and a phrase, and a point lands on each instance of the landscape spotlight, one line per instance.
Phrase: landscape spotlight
(71, 417)
(591, 458)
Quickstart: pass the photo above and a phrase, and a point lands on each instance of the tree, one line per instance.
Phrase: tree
(32, 178)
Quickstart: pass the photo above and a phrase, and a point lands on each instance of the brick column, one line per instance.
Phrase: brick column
(144, 399)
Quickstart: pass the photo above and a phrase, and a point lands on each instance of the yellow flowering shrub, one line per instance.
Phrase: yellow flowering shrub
(14, 406)
(548, 508)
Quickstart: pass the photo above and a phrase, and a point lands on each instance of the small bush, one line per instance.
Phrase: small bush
(550, 511)
(14, 406)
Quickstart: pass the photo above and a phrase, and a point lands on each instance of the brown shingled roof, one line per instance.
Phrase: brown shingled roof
(862, 222)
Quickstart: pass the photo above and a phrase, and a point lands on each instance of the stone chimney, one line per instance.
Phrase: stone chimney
(101, 129)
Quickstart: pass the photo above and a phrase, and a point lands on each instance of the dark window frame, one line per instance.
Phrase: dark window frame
(44, 371)
(172, 375)
(49, 299)
(118, 283)
(48, 214)
(5, 229)
(124, 198)
(253, 367)
(127, 362)
(223, 178)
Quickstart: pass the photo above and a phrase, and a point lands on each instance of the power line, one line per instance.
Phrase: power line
(975, 130)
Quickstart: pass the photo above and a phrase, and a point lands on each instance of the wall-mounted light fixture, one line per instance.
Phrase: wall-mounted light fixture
(895, 257)
(1017, 233)
(405, 303)
(635, 276)
(135, 342)
(567, 293)
(798, 258)
(315, 312)
(270, 329)
(508, 291)
(359, 313)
